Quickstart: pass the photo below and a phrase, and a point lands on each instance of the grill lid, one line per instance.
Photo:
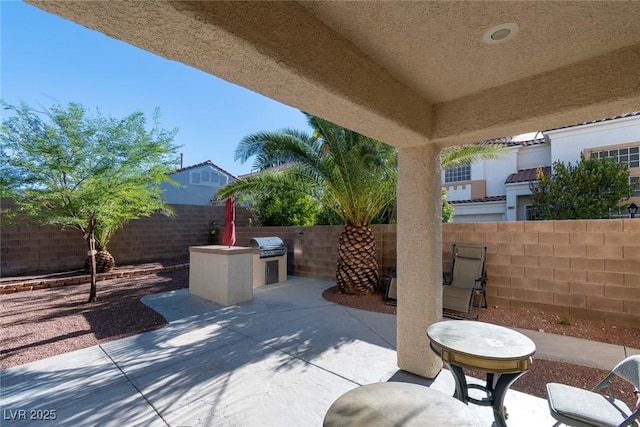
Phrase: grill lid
(269, 246)
(266, 243)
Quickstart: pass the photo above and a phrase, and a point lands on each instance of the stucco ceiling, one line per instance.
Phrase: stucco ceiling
(408, 73)
(436, 48)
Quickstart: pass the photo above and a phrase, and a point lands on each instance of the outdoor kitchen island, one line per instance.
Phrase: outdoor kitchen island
(227, 275)
(222, 274)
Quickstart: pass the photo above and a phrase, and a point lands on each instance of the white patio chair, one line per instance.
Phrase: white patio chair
(599, 407)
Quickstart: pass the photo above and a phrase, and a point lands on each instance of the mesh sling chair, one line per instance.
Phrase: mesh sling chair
(391, 291)
(466, 280)
(578, 407)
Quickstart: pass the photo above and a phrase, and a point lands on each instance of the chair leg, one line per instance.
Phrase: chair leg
(470, 315)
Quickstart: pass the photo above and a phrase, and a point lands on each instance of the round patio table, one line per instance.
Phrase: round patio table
(397, 403)
(504, 354)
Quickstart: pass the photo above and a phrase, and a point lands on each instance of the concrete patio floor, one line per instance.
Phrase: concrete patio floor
(279, 360)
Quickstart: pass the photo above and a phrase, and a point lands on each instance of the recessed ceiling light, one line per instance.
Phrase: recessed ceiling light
(500, 33)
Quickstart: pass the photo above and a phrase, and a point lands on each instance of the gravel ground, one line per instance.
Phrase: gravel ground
(42, 323)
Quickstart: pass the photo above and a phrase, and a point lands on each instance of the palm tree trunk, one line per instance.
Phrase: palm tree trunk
(104, 262)
(357, 271)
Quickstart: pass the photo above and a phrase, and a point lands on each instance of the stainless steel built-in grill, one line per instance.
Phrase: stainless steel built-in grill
(269, 246)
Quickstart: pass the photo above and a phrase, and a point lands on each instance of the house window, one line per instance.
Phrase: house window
(214, 178)
(457, 173)
(202, 178)
(629, 156)
(634, 181)
(208, 178)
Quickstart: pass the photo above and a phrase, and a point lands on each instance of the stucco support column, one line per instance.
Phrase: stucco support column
(419, 256)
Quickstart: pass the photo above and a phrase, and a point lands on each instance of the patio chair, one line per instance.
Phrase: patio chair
(390, 293)
(599, 407)
(467, 281)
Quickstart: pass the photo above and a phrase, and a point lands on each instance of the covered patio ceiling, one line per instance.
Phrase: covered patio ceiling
(408, 73)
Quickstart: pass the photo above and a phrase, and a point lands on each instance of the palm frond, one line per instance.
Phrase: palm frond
(354, 175)
(292, 179)
(272, 149)
(469, 153)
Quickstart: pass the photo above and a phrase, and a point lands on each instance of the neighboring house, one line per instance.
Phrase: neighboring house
(499, 190)
(198, 184)
(271, 169)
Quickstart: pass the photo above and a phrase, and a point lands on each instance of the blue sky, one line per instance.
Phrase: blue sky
(47, 60)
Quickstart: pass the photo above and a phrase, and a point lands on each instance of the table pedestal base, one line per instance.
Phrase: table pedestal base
(495, 390)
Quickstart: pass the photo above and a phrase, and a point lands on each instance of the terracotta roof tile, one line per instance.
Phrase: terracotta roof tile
(537, 141)
(527, 143)
(486, 199)
(526, 175)
(619, 116)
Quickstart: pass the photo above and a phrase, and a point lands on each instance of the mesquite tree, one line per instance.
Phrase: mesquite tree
(66, 167)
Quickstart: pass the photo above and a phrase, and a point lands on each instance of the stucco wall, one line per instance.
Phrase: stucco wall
(496, 171)
(567, 144)
(534, 156)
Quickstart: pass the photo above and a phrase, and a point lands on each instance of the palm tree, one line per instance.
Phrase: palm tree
(349, 173)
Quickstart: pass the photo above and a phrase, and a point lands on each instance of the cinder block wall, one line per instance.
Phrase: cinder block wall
(34, 249)
(587, 269)
(313, 251)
